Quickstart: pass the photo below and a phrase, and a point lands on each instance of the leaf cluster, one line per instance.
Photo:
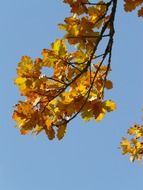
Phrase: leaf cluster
(131, 5)
(79, 78)
(79, 75)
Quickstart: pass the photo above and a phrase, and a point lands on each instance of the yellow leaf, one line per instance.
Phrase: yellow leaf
(20, 82)
(109, 105)
(48, 123)
(125, 146)
(59, 47)
(25, 66)
(100, 116)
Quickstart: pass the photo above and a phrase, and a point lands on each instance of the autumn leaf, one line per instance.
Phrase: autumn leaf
(126, 146)
(50, 133)
(108, 84)
(61, 131)
(131, 5)
(87, 115)
(59, 47)
(109, 105)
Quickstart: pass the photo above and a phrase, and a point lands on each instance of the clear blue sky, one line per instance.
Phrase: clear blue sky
(88, 157)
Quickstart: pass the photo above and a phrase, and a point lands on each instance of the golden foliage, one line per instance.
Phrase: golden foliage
(79, 77)
(131, 5)
(134, 146)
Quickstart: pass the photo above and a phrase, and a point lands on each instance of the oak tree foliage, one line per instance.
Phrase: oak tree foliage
(81, 63)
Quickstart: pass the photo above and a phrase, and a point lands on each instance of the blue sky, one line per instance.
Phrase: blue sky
(88, 157)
